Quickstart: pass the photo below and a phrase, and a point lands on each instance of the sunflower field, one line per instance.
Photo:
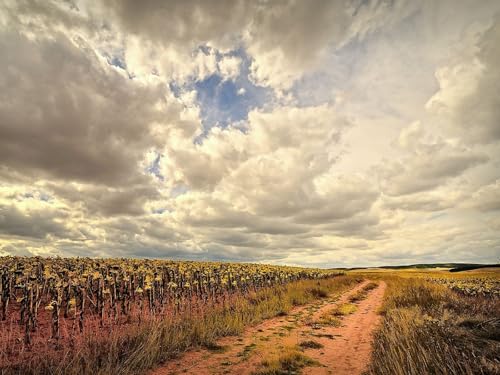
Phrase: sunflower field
(38, 294)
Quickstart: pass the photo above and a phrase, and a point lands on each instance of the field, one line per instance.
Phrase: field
(438, 322)
(80, 308)
(126, 316)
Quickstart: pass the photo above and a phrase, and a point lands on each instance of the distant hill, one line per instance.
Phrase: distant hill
(474, 267)
(433, 265)
(454, 267)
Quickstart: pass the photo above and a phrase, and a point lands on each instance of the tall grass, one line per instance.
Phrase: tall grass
(428, 329)
(141, 347)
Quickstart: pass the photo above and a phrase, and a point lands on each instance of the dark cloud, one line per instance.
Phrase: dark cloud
(239, 240)
(63, 114)
(225, 217)
(363, 226)
(341, 205)
(34, 224)
(106, 201)
(189, 22)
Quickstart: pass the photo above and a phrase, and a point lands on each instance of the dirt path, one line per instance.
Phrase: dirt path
(346, 349)
(350, 352)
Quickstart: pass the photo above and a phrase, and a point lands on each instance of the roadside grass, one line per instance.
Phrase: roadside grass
(137, 348)
(290, 360)
(428, 329)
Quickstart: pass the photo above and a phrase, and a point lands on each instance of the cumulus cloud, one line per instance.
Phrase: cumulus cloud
(65, 115)
(33, 224)
(428, 165)
(106, 201)
(191, 22)
(468, 94)
(296, 140)
(229, 67)
(284, 38)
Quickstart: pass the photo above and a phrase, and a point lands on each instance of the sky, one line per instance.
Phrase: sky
(314, 133)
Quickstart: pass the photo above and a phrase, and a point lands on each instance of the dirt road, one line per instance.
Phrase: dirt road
(345, 349)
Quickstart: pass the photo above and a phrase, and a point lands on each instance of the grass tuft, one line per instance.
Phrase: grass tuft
(289, 361)
(327, 319)
(345, 309)
(319, 292)
(311, 344)
(215, 348)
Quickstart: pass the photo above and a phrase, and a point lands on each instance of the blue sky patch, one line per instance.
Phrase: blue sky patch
(224, 102)
(154, 168)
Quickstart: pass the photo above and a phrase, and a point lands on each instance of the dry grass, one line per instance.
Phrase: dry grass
(363, 293)
(141, 347)
(427, 329)
(310, 344)
(327, 319)
(289, 361)
(345, 309)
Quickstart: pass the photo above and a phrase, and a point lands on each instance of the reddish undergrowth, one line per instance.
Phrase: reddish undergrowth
(15, 350)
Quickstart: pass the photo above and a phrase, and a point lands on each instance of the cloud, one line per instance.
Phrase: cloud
(192, 22)
(101, 200)
(33, 224)
(468, 95)
(65, 115)
(338, 197)
(424, 201)
(487, 198)
(229, 67)
(428, 165)
(285, 38)
(302, 138)
(290, 38)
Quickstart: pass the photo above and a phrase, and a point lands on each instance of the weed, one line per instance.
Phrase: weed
(310, 344)
(215, 348)
(247, 350)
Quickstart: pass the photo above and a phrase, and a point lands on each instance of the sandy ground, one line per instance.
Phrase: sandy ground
(346, 349)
